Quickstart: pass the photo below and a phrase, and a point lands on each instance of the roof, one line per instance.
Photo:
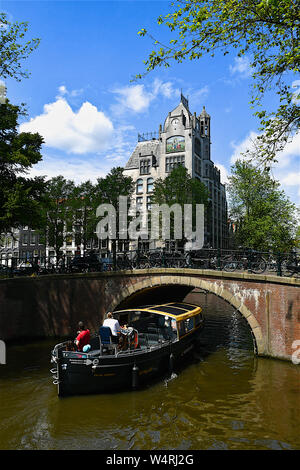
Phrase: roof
(204, 113)
(177, 310)
(145, 148)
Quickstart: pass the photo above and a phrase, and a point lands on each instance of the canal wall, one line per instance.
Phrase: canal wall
(51, 306)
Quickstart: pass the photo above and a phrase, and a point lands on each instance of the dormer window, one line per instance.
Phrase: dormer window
(144, 166)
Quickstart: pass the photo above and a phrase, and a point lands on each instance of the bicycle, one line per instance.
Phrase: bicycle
(290, 265)
(250, 260)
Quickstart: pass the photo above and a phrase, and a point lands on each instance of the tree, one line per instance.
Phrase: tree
(268, 31)
(109, 189)
(13, 48)
(83, 203)
(57, 214)
(180, 188)
(263, 215)
(20, 196)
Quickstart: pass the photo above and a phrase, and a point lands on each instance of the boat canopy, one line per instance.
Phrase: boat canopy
(177, 310)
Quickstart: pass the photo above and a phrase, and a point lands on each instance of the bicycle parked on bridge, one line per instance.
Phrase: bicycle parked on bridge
(248, 260)
(290, 266)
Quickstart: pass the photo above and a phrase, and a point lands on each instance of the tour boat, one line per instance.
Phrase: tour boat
(154, 341)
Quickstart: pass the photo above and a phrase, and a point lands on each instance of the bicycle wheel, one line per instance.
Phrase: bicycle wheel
(287, 268)
(258, 266)
(229, 264)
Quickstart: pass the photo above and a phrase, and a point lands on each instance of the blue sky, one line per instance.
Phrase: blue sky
(80, 96)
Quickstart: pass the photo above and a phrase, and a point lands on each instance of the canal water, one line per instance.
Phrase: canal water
(226, 398)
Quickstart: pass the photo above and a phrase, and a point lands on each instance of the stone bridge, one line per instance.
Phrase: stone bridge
(52, 305)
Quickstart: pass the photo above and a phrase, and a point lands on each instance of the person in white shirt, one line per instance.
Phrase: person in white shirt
(114, 326)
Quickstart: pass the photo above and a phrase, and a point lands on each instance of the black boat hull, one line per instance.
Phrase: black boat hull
(80, 373)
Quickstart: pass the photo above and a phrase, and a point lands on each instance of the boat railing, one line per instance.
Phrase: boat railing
(91, 355)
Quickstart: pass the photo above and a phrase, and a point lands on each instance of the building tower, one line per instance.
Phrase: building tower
(184, 139)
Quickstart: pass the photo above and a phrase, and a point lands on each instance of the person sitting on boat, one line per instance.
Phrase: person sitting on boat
(83, 336)
(114, 326)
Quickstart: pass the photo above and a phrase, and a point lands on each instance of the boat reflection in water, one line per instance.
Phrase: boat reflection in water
(155, 343)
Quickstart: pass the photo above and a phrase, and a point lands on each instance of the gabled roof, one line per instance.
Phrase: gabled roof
(145, 149)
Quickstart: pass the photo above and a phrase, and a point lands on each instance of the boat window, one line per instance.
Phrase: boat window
(181, 328)
(135, 316)
(197, 320)
(189, 324)
(185, 326)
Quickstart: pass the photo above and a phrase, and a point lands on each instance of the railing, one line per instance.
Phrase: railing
(281, 264)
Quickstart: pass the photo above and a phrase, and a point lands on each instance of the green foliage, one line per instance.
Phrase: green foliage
(263, 214)
(180, 188)
(268, 31)
(20, 197)
(57, 213)
(13, 48)
(109, 189)
(69, 210)
(115, 184)
(82, 204)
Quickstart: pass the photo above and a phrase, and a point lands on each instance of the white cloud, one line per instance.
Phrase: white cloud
(84, 131)
(78, 170)
(63, 91)
(166, 89)
(134, 98)
(137, 98)
(292, 179)
(241, 147)
(223, 172)
(286, 170)
(241, 67)
(197, 96)
(296, 94)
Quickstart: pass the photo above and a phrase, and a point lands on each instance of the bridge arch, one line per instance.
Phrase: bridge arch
(236, 302)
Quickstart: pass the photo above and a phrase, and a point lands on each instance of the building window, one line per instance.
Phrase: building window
(198, 147)
(206, 152)
(69, 241)
(32, 239)
(25, 239)
(198, 166)
(139, 186)
(139, 203)
(172, 162)
(103, 244)
(149, 203)
(145, 166)
(150, 182)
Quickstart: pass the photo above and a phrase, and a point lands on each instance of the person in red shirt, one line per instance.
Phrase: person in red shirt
(83, 336)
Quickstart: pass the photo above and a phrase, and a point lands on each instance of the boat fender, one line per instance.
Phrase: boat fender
(171, 363)
(135, 376)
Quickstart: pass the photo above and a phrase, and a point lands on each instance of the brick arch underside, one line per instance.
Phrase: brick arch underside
(155, 282)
